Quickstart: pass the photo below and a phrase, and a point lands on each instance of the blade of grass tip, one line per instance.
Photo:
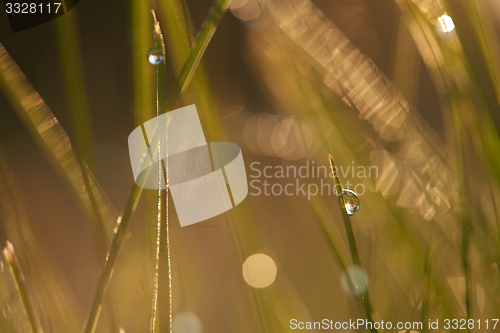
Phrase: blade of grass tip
(179, 38)
(204, 38)
(47, 286)
(22, 289)
(365, 299)
(162, 311)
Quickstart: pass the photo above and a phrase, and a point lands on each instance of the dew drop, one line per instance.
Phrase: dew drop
(351, 201)
(155, 55)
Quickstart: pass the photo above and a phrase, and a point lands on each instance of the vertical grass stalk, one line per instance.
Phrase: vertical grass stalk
(162, 312)
(204, 37)
(365, 299)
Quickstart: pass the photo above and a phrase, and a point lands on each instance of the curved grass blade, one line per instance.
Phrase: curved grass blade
(51, 138)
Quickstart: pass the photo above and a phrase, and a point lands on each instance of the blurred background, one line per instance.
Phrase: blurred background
(389, 84)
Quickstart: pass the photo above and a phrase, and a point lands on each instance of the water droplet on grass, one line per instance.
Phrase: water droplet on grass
(351, 201)
(155, 55)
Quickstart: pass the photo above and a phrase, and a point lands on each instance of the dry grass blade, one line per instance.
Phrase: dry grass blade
(17, 276)
(47, 287)
(50, 136)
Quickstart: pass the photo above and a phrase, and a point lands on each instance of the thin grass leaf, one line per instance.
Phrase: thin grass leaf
(365, 298)
(48, 290)
(72, 68)
(17, 276)
(179, 36)
(203, 39)
(143, 72)
(51, 138)
(162, 311)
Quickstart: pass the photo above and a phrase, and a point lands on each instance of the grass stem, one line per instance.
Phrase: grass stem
(365, 299)
(204, 37)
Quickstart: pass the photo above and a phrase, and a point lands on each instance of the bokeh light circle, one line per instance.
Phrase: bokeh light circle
(186, 322)
(259, 270)
(357, 277)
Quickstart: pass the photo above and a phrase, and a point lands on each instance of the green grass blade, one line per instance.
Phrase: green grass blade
(143, 71)
(72, 68)
(162, 300)
(107, 270)
(179, 36)
(365, 298)
(203, 39)
(181, 84)
(70, 55)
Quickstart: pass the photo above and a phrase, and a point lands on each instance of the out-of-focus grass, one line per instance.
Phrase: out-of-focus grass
(51, 137)
(47, 286)
(179, 41)
(17, 276)
(430, 217)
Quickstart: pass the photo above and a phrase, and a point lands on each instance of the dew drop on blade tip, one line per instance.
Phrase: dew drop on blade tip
(155, 55)
(351, 201)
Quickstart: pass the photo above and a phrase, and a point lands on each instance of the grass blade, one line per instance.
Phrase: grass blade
(162, 311)
(179, 37)
(51, 138)
(205, 35)
(365, 299)
(142, 70)
(203, 39)
(48, 290)
(18, 278)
